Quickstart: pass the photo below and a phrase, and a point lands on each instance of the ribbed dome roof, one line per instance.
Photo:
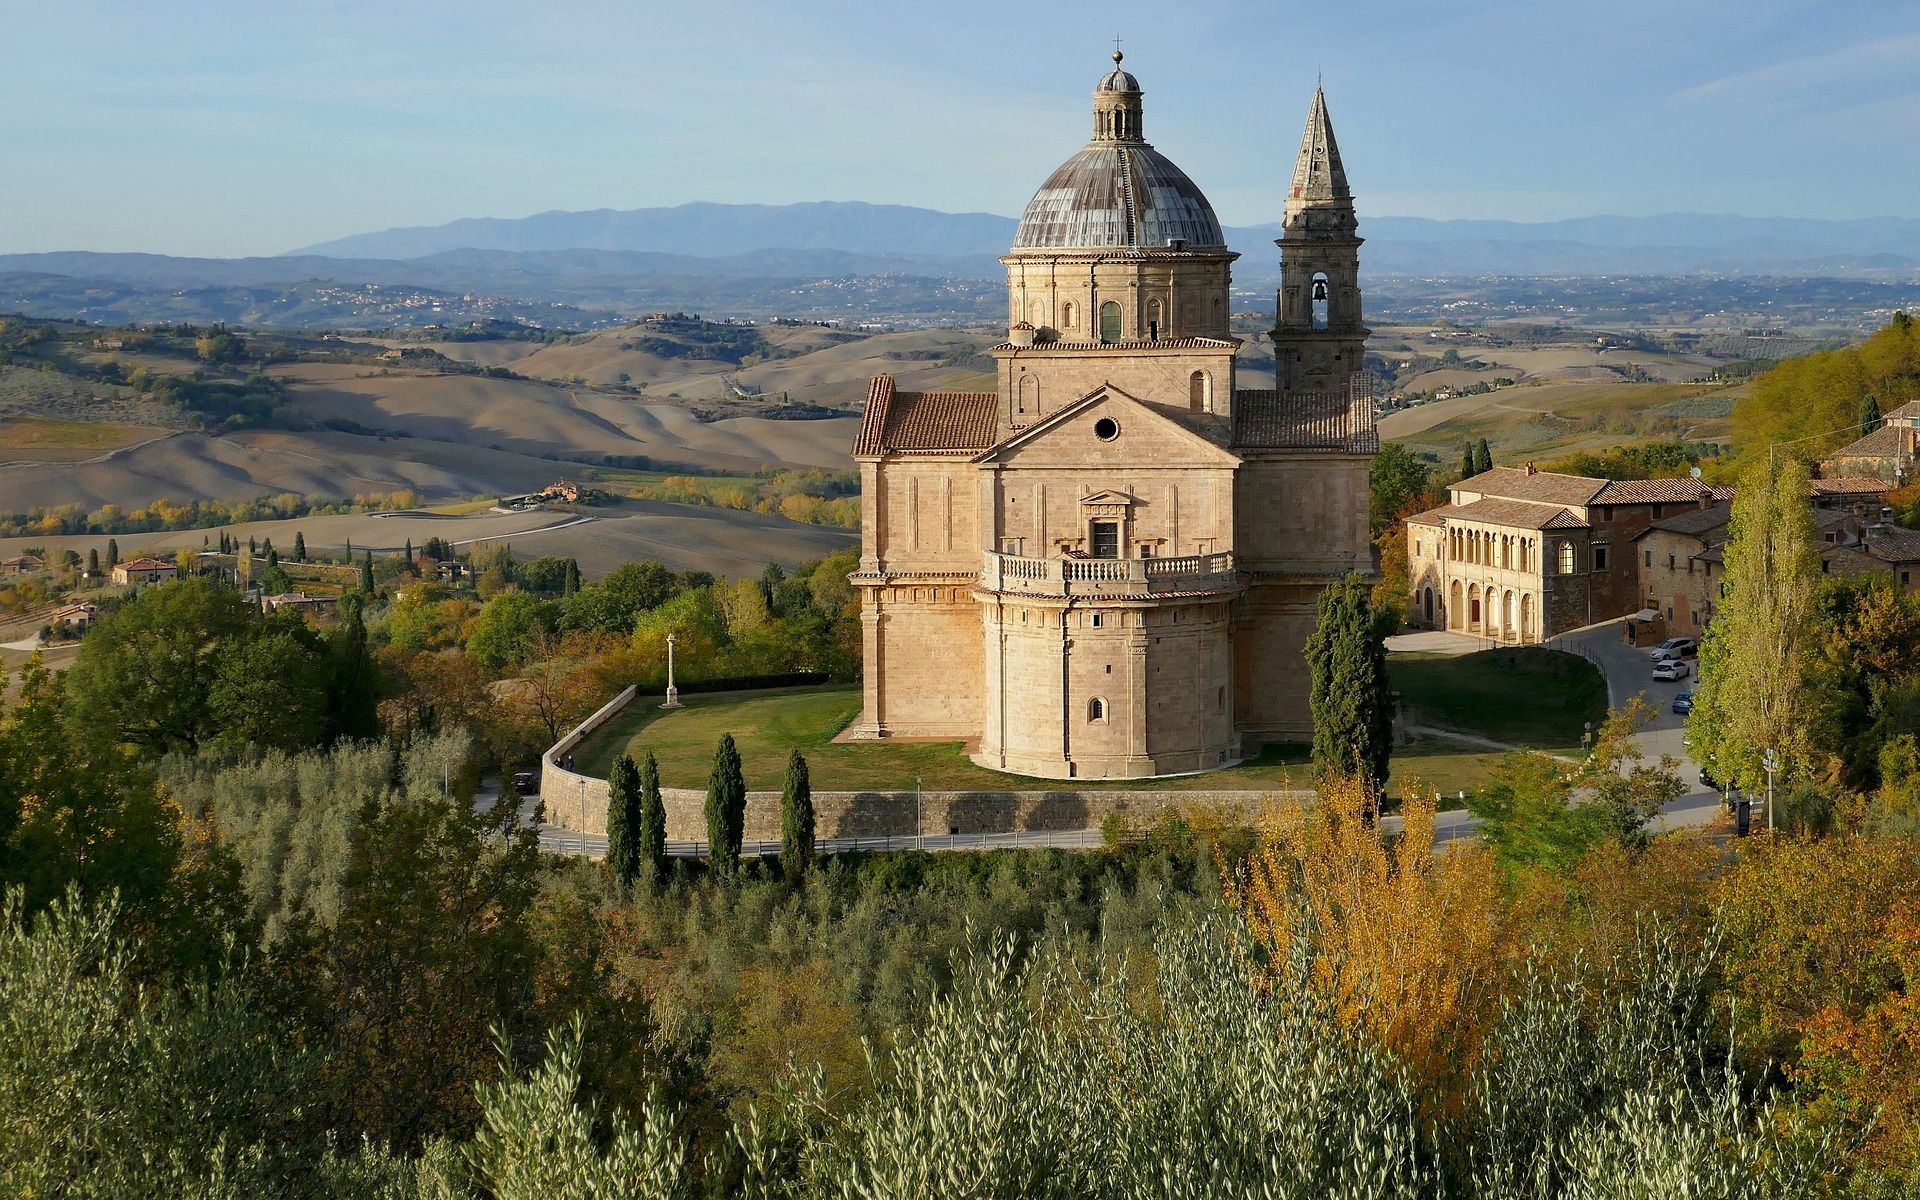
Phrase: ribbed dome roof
(1118, 194)
(1118, 81)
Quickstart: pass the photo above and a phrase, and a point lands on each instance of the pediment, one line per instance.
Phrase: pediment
(1142, 434)
(1107, 496)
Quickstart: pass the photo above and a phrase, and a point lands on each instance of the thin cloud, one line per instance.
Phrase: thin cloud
(1863, 60)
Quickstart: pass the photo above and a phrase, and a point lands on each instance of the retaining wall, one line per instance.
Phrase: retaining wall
(579, 802)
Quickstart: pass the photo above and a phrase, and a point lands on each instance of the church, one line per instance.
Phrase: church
(1108, 566)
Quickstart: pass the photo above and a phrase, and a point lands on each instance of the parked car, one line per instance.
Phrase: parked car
(1671, 670)
(1683, 703)
(1674, 647)
(1708, 781)
(526, 783)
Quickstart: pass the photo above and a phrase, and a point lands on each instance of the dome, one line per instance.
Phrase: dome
(1118, 81)
(1118, 194)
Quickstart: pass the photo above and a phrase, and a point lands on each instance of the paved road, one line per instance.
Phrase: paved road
(1629, 673)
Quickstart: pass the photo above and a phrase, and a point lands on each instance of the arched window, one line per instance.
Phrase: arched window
(1567, 560)
(1153, 320)
(1096, 709)
(1110, 321)
(1066, 315)
(1199, 392)
(1322, 301)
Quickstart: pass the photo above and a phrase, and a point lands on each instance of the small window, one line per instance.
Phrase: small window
(1599, 558)
(1066, 315)
(1903, 578)
(1096, 709)
(1696, 620)
(1106, 539)
(1649, 558)
(1568, 560)
(1093, 619)
(1670, 562)
(1110, 321)
(1106, 429)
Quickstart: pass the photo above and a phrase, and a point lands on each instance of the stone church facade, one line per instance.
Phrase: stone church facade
(1108, 566)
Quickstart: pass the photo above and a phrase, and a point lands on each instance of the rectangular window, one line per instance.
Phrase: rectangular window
(1106, 539)
(1093, 619)
(1669, 562)
(1649, 558)
(1599, 558)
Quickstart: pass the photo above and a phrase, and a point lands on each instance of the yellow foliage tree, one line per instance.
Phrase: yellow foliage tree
(1405, 945)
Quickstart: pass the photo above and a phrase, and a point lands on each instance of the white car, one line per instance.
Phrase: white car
(1675, 647)
(1671, 671)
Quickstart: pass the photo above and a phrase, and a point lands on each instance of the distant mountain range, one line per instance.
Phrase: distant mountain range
(928, 241)
(874, 263)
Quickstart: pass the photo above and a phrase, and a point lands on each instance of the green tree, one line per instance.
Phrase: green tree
(299, 547)
(571, 584)
(509, 628)
(366, 574)
(796, 819)
(93, 560)
(353, 680)
(113, 553)
(1352, 711)
(1756, 660)
(623, 822)
(1467, 460)
(1482, 457)
(652, 829)
(269, 688)
(1869, 413)
(1396, 481)
(726, 807)
(144, 673)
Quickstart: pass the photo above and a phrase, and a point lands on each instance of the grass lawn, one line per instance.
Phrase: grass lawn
(766, 725)
(1439, 765)
(1525, 695)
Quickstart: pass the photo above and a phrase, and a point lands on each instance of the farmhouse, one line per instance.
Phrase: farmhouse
(143, 570)
(1109, 565)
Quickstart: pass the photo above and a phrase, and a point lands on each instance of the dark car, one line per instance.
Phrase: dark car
(526, 783)
(1708, 781)
(1683, 703)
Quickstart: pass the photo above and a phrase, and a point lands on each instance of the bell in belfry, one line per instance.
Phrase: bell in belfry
(1319, 289)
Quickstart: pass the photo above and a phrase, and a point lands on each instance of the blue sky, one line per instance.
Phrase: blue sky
(222, 127)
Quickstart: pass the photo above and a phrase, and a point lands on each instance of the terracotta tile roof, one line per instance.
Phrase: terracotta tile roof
(1697, 522)
(1541, 487)
(1652, 491)
(1270, 420)
(1910, 411)
(1851, 486)
(1893, 545)
(898, 422)
(147, 564)
(1888, 441)
(1517, 514)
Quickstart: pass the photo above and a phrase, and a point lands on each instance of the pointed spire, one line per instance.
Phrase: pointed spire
(1318, 174)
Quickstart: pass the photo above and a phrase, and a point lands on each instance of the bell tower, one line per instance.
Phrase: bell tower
(1318, 339)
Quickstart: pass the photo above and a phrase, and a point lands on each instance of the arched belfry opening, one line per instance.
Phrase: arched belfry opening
(1322, 300)
(1199, 392)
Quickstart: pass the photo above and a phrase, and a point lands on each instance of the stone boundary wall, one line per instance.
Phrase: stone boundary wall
(577, 792)
(579, 803)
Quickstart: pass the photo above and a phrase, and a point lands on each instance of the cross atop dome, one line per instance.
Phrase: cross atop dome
(1117, 80)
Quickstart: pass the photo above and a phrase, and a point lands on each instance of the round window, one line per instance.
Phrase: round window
(1106, 429)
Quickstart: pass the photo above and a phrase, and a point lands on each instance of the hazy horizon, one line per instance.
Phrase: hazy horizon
(220, 129)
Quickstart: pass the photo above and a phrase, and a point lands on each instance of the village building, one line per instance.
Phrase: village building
(1886, 453)
(71, 620)
(21, 564)
(307, 604)
(143, 570)
(1109, 565)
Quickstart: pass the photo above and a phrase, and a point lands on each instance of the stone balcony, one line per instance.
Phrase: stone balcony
(1116, 578)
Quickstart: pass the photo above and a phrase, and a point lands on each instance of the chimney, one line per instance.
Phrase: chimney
(1532, 470)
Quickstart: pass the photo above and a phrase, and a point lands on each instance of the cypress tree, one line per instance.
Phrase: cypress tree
(1352, 712)
(1466, 461)
(570, 582)
(623, 820)
(253, 546)
(349, 550)
(113, 553)
(1869, 413)
(796, 819)
(1482, 457)
(353, 681)
(93, 560)
(366, 574)
(726, 808)
(652, 838)
(413, 568)
(299, 547)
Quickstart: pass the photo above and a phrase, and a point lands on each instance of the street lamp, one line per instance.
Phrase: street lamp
(1586, 741)
(919, 818)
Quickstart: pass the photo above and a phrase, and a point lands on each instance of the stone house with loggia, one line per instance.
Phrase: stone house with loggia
(1108, 566)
